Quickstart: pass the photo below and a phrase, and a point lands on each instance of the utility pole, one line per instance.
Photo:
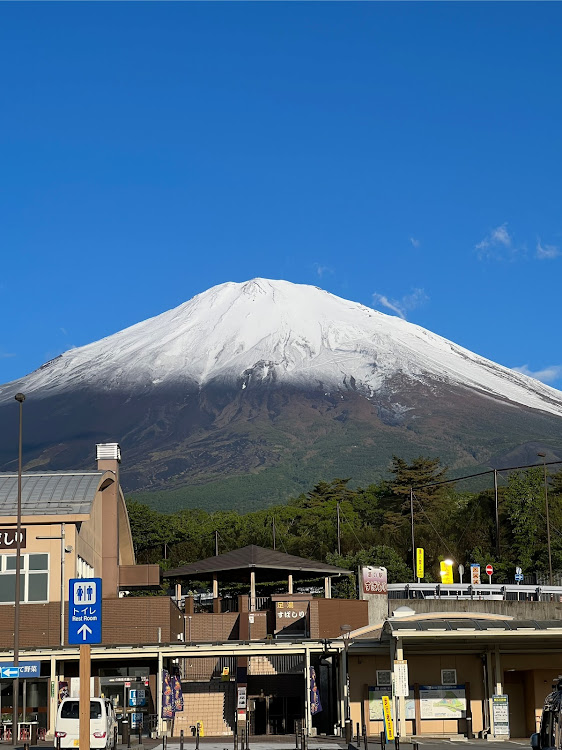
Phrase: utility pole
(339, 528)
(216, 543)
(273, 530)
(497, 510)
(543, 456)
(412, 530)
(20, 398)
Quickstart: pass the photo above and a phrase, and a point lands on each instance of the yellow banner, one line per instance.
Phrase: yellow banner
(420, 572)
(388, 725)
(446, 572)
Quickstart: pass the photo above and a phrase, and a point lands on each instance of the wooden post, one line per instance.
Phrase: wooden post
(84, 715)
(290, 586)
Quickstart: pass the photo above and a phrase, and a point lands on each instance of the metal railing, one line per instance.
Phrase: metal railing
(483, 591)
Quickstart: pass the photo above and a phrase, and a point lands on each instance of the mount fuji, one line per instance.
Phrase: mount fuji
(253, 391)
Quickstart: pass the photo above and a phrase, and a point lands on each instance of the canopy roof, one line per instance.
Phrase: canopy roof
(268, 565)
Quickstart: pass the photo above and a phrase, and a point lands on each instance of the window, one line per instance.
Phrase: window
(34, 578)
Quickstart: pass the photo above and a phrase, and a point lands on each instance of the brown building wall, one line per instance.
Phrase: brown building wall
(212, 627)
(125, 621)
(327, 615)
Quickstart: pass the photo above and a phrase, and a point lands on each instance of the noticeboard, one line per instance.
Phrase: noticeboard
(500, 715)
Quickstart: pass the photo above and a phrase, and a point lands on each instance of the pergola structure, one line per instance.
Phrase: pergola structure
(257, 564)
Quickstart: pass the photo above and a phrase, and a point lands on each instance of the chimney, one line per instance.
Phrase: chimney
(108, 456)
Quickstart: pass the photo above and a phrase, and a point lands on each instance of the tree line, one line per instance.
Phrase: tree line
(375, 525)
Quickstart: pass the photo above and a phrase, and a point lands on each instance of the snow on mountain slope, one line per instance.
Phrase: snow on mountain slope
(277, 331)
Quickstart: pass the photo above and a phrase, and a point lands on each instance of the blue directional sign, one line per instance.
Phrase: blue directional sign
(519, 576)
(24, 669)
(84, 610)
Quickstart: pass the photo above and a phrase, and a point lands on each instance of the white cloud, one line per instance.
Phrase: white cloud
(547, 252)
(322, 270)
(401, 306)
(495, 243)
(6, 355)
(415, 242)
(548, 374)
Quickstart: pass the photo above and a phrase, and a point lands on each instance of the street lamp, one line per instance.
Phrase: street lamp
(20, 398)
(346, 631)
(543, 456)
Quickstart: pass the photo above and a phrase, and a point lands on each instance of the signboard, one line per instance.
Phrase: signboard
(8, 538)
(241, 697)
(401, 687)
(489, 570)
(137, 697)
(500, 714)
(440, 702)
(374, 580)
(475, 574)
(291, 614)
(376, 709)
(519, 577)
(388, 725)
(420, 570)
(85, 605)
(25, 669)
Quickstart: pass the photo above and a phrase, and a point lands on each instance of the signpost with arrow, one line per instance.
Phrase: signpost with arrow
(84, 628)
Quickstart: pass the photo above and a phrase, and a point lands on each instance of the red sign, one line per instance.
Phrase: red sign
(489, 569)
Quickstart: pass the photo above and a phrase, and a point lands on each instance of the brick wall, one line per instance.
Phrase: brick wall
(126, 621)
(327, 615)
(210, 703)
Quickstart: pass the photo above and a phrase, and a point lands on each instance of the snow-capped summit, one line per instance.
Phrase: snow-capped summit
(264, 332)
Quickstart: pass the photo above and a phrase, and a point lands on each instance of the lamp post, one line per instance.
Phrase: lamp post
(20, 398)
(543, 456)
(345, 631)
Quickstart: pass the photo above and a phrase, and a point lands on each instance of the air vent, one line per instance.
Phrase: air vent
(108, 451)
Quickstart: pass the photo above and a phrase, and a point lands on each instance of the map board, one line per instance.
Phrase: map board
(442, 702)
(376, 708)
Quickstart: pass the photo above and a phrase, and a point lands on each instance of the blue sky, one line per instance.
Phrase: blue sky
(406, 156)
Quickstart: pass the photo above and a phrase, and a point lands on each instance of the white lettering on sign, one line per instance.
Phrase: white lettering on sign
(374, 580)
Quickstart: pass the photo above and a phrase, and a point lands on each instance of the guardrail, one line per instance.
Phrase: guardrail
(505, 592)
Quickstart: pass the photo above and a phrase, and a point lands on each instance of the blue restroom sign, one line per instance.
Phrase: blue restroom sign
(84, 610)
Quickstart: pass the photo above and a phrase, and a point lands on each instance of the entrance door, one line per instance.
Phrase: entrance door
(514, 688)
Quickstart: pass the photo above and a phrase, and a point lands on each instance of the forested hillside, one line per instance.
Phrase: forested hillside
(376, 524)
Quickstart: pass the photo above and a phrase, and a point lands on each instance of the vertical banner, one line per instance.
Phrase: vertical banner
(387, 714)
(420, 571)
(446, 572)
(475, 574)
(315, 704)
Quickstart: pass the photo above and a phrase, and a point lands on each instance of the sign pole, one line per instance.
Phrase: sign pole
(84, 703)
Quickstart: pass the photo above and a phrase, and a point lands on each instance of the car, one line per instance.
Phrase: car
(103, 723)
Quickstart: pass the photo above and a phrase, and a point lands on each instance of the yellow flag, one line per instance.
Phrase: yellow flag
(388, 725)
(420, 572)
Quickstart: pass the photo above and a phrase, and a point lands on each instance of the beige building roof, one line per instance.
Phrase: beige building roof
(49, 494)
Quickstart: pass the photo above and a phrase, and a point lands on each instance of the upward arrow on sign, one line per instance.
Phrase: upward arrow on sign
(83, 631)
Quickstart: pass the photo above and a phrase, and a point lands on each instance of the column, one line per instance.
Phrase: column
(307, 714)
(290, 587)
(401, 698)
(53, 697)
(490, 690)
(215, 586)
(327, 587)
(159, 694)
(499, 673)
(252, 590)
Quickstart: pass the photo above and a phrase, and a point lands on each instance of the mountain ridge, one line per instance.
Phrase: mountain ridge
(280, 382)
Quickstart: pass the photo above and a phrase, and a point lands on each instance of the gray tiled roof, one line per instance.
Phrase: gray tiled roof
(47, 494)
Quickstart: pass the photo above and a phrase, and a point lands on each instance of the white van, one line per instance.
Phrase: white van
(103, 723)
